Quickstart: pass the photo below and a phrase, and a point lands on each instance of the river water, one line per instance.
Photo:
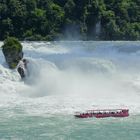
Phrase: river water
(70, 76)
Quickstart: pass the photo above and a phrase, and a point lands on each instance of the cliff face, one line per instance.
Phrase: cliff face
(12, 50)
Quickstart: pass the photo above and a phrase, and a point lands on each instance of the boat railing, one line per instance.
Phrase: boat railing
(104, 111)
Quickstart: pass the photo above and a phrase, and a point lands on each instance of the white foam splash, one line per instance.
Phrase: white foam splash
(64, 79)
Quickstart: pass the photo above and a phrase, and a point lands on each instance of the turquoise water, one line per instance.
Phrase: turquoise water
(66, 77)
(62, 127)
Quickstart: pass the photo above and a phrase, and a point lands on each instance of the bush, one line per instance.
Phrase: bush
(12, 50)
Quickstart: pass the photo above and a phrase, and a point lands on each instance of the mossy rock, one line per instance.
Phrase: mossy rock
(12, 50)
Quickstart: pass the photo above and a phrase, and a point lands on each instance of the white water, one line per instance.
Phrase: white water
(70, 76)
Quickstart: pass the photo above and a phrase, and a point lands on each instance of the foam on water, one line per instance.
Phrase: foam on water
(70, 76)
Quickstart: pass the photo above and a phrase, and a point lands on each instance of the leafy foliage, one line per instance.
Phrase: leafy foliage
(11, 43)
(12, 50)
(51, 19)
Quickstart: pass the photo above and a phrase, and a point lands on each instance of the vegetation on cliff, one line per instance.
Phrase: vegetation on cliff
(76, 19)
(12, 50)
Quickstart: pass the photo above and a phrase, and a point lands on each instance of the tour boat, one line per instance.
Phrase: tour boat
(103, 113)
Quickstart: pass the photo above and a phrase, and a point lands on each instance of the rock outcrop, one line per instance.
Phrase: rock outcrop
(12, 50)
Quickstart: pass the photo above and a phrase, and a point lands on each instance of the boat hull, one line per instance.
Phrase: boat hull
(122, 113)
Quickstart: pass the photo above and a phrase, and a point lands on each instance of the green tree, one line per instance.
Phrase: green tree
(48, 19)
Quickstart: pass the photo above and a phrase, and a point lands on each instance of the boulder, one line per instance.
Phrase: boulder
(12, 50)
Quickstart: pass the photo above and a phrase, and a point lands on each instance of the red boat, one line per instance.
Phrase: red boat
(103, 113)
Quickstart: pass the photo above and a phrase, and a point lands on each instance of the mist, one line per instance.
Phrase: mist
(87, 75)
(68, 76)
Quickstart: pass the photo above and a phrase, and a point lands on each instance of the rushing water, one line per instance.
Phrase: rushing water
(66, 77)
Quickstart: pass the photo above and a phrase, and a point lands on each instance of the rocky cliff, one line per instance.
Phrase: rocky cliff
(12, 50)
